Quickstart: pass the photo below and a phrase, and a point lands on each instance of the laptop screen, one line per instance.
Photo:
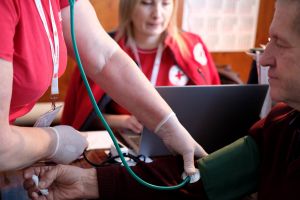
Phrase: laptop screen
(215, 116)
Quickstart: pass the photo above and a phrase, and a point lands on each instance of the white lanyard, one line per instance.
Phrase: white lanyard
(55, 48)
(157, 60)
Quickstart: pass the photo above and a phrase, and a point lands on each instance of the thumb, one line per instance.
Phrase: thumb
(188, 160)
(199, 151)
(48, 178)
(27, 173)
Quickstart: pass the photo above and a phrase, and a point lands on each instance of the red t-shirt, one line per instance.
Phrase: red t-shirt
(24, 42)
(164, 77)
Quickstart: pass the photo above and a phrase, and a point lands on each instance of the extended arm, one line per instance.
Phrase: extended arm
(19, 146)
(109, 66)
(69, 182)
(22, 146)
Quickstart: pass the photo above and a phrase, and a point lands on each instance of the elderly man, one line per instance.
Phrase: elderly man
(266, 161)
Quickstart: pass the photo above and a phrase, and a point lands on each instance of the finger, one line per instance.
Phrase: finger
(48, 177)
(135, 130)
(138, 126)
(189, 166)
(199, 151)
(28, 172)
(33, 193)
(28, 183)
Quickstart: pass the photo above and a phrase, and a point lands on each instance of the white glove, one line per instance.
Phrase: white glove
(178, 140)
(69, 144)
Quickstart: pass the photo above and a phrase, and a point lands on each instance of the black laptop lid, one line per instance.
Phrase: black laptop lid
(214, 115)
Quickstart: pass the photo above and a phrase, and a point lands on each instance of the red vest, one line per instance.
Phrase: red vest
(198, 66)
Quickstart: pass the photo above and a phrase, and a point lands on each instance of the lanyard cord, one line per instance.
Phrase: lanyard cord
(99, 114)
(157, 61)
(54, 47)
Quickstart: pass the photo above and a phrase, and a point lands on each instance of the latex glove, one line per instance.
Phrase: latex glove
(70, 144)
(178, 140)
(62, 182)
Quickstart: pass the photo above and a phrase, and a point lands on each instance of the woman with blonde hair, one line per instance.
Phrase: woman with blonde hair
(168, 56)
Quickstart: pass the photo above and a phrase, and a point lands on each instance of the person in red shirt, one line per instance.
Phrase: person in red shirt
(35, 36)
(32, 43)
(267, 161)
(168, 56)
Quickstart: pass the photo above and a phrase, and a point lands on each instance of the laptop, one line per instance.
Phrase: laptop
(215, 116)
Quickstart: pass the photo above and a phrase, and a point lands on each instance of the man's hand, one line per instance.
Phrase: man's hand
(62, 181)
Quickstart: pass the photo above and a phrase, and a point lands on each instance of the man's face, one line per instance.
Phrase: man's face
(282, 54)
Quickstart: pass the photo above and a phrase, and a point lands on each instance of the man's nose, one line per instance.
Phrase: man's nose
(267, 58)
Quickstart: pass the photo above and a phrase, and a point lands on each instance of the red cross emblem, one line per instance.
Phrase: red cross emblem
(179, 74)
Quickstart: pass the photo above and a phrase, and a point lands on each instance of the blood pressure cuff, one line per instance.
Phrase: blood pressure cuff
(231, 172)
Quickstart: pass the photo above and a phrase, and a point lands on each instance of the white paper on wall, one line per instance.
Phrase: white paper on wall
(224, 25)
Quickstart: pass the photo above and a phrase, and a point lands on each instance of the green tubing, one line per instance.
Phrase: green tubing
(99, 114)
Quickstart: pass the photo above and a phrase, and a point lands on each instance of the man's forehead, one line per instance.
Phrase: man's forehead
(282, 24)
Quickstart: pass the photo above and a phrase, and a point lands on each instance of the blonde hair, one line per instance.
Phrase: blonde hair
(126, 8)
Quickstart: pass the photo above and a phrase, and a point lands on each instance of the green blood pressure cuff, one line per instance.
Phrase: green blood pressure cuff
(231, 172)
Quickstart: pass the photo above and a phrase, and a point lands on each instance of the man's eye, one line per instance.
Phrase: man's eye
(280, 44)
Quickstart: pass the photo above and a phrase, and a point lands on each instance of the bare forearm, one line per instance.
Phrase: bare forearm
(128, 86)
(115, 121)
(21, 146)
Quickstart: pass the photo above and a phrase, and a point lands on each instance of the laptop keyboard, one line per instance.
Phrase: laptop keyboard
(135, 140)
(132, 140)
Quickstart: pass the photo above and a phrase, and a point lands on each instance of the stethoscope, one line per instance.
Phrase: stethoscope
(100, 116)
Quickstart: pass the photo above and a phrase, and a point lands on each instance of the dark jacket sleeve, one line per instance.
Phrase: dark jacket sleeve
(115, 182)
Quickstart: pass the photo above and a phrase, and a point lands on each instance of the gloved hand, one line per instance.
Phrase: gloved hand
(69, 144)
(178, 140)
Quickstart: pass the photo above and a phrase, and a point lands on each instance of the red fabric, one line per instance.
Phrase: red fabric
(24, 43)
(278, 138)
(188, 64)
(77, 109)
(115, 182)
(64, 3)
(147, 58)
(171, 57)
